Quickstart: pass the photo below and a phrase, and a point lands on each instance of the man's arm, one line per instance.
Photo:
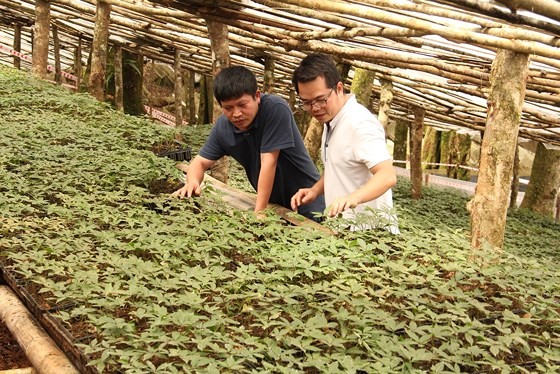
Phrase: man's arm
(269, 161)
(384, 177)
(195, 176)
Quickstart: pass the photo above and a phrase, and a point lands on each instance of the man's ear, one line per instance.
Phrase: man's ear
(258, 96)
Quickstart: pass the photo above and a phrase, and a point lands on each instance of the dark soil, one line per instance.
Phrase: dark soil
(12, 356)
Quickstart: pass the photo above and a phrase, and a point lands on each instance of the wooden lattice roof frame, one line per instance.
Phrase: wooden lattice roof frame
(438, 54)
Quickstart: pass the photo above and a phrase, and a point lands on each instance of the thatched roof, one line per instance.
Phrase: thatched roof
(438, 54)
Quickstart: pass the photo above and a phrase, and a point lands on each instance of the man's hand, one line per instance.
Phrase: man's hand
(341, 204)
(188, 190)
(302, 197)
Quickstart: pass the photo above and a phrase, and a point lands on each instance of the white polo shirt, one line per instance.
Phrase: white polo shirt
(354, 142)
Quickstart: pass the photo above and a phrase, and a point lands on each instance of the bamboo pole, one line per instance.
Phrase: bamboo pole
(39, 348)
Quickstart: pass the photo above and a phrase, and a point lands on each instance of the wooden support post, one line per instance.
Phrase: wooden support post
(56, 44)
(41, 39)
(362, 85)
(17, 45)
(400, 142)
(544, 182)
(268, 79)
(515, 180)
(78, 63)
(96, 84)
(416, 152)
(188, 80)
(219, 41)
(385, 101)
(488, 207)
(119, 89)
(178, 86)
(133, 82)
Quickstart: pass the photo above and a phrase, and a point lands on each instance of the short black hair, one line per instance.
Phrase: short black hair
(313, 66)
(233, 82)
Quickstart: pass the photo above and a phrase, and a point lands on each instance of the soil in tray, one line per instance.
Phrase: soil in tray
(11, 355)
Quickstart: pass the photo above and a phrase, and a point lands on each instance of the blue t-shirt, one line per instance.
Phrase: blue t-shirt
(273, 129)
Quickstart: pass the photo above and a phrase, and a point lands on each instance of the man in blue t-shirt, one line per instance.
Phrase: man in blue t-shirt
(259, 131)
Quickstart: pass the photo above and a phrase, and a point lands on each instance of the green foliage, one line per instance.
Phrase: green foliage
(147, 283)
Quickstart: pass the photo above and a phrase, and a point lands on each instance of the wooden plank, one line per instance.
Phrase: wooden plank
(246, 201)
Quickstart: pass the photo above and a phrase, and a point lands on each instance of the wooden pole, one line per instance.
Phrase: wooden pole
(400, 142)
(188, 80)
(515, 180)
(119, 88)
(96, 85)
(268, 79)
(78, 63)
(544, 182)
(385, 101)
(219, 41)
(178, 86)
(362, 85)
(41, 39)
(548, 8)
(17, 45)
(39, 348)
(488, 207)
(416, 152)
(56, 44)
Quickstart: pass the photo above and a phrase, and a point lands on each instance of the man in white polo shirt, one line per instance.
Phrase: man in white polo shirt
(359, 171)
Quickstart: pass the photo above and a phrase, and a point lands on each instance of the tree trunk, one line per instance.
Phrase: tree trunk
(96, 84)
(56, 48)
(188, 79)
(343, 70)
(78, 63)
(178, 89)
(458, 153)
(219, 42)
(400, 143)
(452, 154)
(40, 53)
(211, 103)
(488, 207)
(416, 152)
(514, 180)
(312, 139)
(430, 148)
(202, 102)
(463, 155)
(118, 62)
(17, 45)
(268, 79)
(385, 101)
(362, 85)
(544, 182)
(444, 146)
(133, 82)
